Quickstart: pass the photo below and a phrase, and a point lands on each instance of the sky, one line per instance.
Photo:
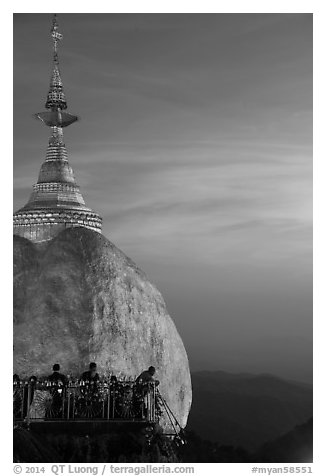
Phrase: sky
(195, 146)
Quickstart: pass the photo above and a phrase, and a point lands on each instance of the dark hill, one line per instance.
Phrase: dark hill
(247, 410)
(294, 446)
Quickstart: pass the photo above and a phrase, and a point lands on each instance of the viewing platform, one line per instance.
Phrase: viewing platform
(77, 401)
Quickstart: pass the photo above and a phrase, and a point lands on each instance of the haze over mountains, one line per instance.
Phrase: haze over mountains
(247, 410)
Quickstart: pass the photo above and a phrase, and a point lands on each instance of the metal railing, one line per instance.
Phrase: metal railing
(80, 400)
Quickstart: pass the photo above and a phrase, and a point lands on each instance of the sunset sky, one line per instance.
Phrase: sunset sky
(195, 146)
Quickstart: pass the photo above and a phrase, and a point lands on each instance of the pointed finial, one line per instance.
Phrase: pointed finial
(56, 37)
(56, 99)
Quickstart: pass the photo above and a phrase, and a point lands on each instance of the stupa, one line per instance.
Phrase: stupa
(77, 297)
(56, 202)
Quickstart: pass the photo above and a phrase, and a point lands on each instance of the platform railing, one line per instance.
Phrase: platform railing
(82, 400)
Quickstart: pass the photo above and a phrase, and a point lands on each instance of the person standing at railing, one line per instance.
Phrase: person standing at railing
(89, 403)
(58, 383)
(57, 377)
(91, 375)
(145, 386)
(147, 376)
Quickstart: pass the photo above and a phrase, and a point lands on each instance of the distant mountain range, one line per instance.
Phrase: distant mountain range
(247, 410)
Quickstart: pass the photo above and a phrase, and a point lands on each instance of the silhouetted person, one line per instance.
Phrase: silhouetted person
(142, 391)
(58, 381)
(91, 375)
(113, 379)
(147, 376)
(56, 376)
(16, 379)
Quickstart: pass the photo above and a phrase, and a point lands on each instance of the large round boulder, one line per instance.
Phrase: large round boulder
(77, 299)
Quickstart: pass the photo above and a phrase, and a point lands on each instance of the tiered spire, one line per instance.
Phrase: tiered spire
(56, 202)
(56, 99)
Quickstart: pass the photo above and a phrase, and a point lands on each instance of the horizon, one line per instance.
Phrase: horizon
(254, 374)
(194, 145)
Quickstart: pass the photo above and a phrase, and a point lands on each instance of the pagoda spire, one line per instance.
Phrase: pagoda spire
(56, 100)
(56, 202)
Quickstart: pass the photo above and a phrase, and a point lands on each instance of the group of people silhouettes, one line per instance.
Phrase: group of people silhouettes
(90, 389)
(91, 375)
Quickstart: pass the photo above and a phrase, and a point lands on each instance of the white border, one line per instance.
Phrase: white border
(169, 6)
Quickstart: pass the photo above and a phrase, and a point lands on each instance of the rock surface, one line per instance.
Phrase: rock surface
(77, 299)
